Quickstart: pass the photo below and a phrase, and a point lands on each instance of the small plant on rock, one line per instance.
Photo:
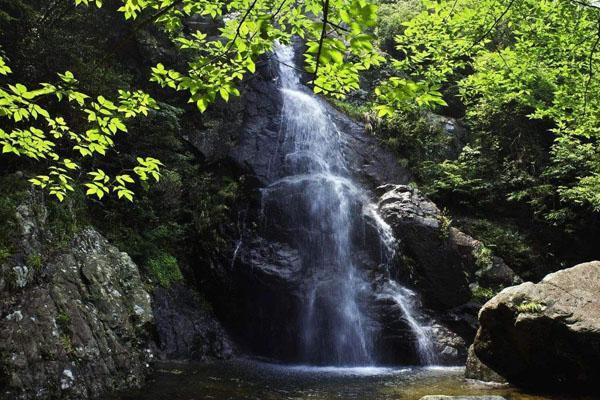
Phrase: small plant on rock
(482, 294)
(530, 307)
(165, 269)
(34, 261)
(483, 257)
(445, 224)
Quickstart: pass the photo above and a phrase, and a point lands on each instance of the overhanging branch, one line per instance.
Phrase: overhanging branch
(321, 38)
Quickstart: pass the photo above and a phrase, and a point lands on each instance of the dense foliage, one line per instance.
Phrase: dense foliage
(180, 217)
(522, 73)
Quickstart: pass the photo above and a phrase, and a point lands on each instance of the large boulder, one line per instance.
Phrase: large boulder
(546, 335)
(438, 259)
(80, 328)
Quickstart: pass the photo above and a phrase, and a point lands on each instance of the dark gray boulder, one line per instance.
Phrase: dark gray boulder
(546, 335)
(186, 326)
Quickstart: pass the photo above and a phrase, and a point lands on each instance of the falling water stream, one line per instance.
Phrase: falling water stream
(326, 207)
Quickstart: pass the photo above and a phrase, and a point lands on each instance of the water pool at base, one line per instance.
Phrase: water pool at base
(252, 380)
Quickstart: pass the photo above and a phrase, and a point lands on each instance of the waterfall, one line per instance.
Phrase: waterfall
(325, 208)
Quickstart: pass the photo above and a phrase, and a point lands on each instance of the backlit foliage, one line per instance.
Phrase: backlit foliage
(536, 57)
(30, 130)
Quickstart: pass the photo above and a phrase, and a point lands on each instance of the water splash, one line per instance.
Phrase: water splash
(407, 301)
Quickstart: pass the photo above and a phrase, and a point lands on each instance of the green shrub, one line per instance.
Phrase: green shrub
(391, 18)
(352, 109)
(445, 224)
(506, 239)
(483, 257)
(416, 137)
(34, 261)
(66, 219)
(4, 254)
(482, 294)
(67, 344)
(63, 321)
(165, 269)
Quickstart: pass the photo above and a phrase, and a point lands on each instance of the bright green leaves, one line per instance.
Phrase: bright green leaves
(535, 58)
(132, 8)
(148, 168)
(251, 29)
(397, 93)
(38, 135)
(218, 64)
(359, 14)
(97, 3)
(4, 69)
(338, 49)
(101, 184)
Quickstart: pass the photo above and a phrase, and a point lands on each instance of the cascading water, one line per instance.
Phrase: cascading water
(324, 208)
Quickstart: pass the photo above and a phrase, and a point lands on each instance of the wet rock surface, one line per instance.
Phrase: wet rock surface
(259, 138)
(256, 296)
(79, 329)
(546, 335)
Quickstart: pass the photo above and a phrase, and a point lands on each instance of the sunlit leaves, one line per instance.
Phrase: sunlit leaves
(217, 64)
(38, 135)
(398, 93)
(4, 69)
(250, 30)
(148, 168)
(538, 56)
(97, 3)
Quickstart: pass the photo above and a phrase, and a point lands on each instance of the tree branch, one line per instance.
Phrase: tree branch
(322, 37)
(143, 23)
(496, 22)
(333, 24)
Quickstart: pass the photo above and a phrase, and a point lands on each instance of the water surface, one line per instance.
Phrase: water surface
(251, 380)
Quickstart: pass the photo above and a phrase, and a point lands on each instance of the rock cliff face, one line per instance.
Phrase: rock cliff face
(74, 325)
(546, 335)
